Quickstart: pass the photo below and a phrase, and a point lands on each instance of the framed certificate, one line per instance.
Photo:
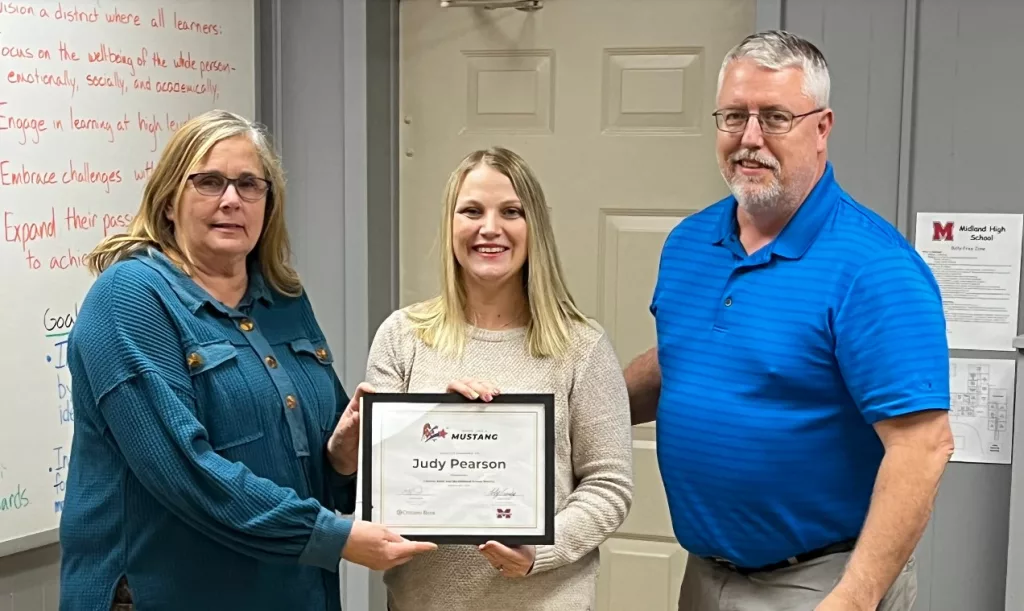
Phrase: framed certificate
(443, 468)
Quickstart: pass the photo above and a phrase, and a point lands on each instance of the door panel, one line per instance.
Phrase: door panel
(636, 570)
(610, 102)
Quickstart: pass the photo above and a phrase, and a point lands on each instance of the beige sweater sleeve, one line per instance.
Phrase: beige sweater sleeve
(601, 440)
(390, 356)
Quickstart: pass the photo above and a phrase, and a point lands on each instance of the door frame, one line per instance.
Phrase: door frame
(369, 266)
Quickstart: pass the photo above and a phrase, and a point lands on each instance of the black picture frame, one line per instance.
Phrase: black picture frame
(371, 402)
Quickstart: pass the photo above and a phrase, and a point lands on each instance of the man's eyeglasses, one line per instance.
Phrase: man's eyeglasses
(214, 184)
(734, 120)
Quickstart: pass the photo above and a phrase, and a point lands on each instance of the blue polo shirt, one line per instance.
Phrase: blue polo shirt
(775, 366)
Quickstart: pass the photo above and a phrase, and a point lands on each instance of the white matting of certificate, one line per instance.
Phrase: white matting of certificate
(458, 469)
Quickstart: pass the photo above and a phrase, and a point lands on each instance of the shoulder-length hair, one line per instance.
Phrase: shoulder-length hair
(186, 149)
(441, 322)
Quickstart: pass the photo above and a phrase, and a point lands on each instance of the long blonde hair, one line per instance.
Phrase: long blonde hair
(186, 149)
(441, 322)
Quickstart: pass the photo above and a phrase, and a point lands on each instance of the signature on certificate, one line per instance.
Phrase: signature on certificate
(499, 493)
(414, 491)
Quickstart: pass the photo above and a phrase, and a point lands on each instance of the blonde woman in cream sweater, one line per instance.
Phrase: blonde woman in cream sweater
(505, 323)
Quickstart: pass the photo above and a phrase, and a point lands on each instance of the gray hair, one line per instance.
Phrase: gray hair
(778, 49)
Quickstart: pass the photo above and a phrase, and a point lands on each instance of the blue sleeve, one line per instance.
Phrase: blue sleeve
(137, 375)
(890, 338)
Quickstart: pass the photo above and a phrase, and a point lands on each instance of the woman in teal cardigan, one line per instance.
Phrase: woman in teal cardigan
(210, 455)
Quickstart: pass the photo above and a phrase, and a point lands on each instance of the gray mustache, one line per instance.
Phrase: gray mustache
(749, 155)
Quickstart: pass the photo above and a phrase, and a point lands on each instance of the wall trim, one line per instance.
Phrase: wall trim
(382, 85)
(1015, 536)
(354, 89)
(904, 222)
(382, 61)
(360, 31)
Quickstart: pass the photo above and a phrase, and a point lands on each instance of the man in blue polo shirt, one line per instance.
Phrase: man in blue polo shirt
(800, 383)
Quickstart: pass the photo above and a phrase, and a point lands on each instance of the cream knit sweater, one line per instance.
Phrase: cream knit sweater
(593, 473)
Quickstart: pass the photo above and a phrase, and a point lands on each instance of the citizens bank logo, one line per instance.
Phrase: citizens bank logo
(504, 513)
(430, 433)
(942, 232)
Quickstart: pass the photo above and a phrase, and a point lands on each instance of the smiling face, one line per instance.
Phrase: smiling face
(769, 171)
(489, 233)
(221, 230)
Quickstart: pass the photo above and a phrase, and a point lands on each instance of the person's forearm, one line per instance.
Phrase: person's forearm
(643, 381)
(901, 504)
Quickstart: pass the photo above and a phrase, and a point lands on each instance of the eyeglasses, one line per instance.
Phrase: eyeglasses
(734, 120)
(214, 184)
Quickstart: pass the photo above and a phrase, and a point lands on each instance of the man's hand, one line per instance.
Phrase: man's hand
(838, 602)
(643, 382)
(510, 561)
(343, 446)
(379, 549)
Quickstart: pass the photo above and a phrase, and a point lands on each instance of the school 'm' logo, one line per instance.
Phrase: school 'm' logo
(942, 232)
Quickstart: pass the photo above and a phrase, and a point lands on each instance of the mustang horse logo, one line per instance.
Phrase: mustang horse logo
(431, 432)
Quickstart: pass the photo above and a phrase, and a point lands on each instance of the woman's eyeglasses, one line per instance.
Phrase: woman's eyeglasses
(214, 184)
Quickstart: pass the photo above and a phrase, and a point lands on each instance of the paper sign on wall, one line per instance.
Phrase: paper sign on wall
(981, 409)
(976, 259)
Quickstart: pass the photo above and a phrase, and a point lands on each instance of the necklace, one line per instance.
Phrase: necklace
(510, 321)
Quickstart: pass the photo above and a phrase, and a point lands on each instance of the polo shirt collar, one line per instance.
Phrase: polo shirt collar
(195, 296)
(801, 230)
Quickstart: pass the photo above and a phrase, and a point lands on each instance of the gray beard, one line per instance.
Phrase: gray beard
(757, 200)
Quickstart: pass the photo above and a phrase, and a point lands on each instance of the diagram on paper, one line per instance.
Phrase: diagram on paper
(981, 409)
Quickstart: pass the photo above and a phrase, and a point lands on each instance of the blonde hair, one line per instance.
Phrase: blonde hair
(186, 149)
(441, 322)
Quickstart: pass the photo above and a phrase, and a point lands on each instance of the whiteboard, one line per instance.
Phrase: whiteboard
(89, 92)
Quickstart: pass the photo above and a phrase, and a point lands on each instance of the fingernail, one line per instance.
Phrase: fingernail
(487, 397)
(475, 395)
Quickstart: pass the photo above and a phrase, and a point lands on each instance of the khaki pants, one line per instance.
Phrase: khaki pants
(709, 587)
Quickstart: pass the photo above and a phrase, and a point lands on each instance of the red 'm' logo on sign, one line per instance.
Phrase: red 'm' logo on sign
(942, 232)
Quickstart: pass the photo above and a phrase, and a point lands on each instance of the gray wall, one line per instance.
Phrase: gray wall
(29, 580)
(913, 84)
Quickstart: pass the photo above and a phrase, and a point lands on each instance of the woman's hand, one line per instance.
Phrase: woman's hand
(473, 389)
(343, 446)
(516, 561)
(379, 549)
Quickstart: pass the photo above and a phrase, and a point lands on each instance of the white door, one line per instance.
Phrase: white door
(610, 101)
